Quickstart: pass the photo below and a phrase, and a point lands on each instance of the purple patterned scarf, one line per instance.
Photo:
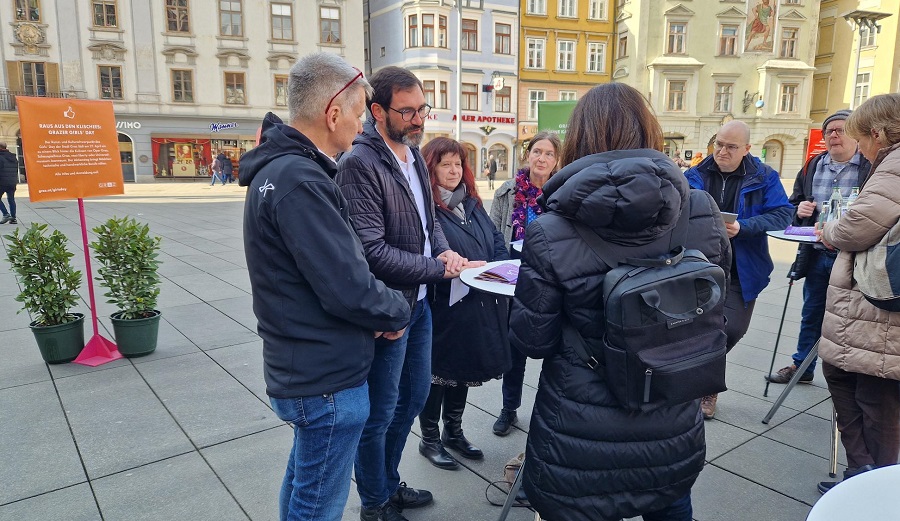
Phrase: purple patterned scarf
(525, 206)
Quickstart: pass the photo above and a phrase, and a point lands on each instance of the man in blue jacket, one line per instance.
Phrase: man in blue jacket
(318, 306)
(742, 184)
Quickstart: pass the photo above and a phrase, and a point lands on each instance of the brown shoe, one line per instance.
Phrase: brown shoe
(708, 406)
(785, 374)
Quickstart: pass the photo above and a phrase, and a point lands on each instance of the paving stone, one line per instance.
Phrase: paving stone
(172, 295)
(183, 487)
(207, 402)
(207, 327)
(719, 495)
(722, 437)
(252, 468)
(37, 454)
(792, 472)
(22, 362)
(244, 362)
(207, 287)
(239, 309)
(75, 503)
(808, 433)
(118, 421)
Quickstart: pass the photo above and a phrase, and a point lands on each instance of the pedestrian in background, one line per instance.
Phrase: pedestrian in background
(9, 178)
(217, 171)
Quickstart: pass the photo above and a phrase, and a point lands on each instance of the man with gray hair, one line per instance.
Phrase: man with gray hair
(742, 184)
(318, 307)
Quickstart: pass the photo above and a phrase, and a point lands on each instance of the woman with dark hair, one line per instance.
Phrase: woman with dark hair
(515, 205)
(469, 340)
(587, 457)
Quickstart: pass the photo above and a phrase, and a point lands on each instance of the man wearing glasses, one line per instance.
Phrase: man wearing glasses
(318, 306)
(743, 185)
(386, 183)
(843, 166)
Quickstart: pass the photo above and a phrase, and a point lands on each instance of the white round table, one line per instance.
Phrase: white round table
(870, 496)
(779, 234)
(497, 288)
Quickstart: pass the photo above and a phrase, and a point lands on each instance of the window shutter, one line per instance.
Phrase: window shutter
(14, 76)
(51, 72)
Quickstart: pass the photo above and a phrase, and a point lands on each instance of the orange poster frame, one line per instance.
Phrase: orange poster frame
(71, 148)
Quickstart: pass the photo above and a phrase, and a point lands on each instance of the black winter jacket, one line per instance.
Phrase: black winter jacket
(9, 169)
(469, 341)
(588, 458)
(315, 300)
(383, 212)
(803, 188)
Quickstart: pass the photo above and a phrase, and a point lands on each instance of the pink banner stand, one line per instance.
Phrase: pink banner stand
(98, 350)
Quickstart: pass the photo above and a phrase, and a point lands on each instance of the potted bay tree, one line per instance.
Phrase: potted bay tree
(129, 260)
(50, 285)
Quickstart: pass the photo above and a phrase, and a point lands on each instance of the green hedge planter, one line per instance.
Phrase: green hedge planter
(60, 343)
(136, 336)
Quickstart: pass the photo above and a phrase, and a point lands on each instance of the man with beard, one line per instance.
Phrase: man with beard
(386, 184)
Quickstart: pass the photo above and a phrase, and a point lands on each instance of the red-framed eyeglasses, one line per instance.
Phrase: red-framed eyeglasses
(351, 82)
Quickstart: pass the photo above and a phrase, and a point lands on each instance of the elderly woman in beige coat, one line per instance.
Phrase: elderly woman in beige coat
(860, 343)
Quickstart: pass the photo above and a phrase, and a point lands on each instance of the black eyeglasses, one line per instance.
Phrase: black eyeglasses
(838, 131)
(351, 82)
(407, 114)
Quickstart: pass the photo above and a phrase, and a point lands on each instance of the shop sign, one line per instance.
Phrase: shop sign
(128, 125)
(486, 119)
(218, 126)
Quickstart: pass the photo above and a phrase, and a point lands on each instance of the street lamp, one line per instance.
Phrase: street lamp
(862, 20)
(459, 34)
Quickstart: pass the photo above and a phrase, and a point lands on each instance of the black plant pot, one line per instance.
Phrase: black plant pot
(60, 343)
(137, 336)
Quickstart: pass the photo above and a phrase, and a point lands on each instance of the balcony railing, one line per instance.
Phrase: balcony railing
(8, 98)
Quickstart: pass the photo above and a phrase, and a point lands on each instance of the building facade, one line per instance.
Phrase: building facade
(185, 78)
(704, 62)
(834, 87)
(424, 35)
(566, 49)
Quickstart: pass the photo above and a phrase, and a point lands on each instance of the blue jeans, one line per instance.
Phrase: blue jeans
(326, 432)
(399, 383)
(680, 510)
(813, 312)
(214, 177)
(11, 199)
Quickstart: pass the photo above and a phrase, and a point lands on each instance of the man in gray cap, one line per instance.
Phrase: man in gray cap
(842, 166)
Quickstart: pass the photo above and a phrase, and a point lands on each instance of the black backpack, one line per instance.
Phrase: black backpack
(665, 319)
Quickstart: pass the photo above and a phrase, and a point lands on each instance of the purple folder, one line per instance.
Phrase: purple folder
(808, 231)
(505, 273)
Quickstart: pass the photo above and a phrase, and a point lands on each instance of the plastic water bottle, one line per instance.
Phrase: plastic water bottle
(854, 193)
(824, 216)
(835, 204)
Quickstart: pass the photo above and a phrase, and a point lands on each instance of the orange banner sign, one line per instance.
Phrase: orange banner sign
(71, 148)
(815, 145)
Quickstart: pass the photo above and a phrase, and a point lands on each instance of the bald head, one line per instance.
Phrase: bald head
(2, 145)
(732, 144)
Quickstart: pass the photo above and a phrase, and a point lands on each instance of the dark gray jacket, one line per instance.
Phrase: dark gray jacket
(315, 300)
(383, 212)
(9, 169)
(588, 458)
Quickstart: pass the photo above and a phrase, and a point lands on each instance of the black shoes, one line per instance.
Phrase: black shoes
(825, 486)
(461, 445)
(505, 422)
(438, 456)
(785, 374)
(8, 219)
(386, 513)
(406, 497)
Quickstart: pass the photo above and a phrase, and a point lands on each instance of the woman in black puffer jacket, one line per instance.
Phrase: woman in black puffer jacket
(587, 458)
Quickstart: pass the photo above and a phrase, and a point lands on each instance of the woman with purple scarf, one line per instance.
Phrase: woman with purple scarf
(514, 206)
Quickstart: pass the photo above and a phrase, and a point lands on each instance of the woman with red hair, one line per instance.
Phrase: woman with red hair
(469, 344)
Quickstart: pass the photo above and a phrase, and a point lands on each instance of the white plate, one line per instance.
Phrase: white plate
(496, 288)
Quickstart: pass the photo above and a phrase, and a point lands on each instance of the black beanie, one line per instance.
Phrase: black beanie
(841, 114)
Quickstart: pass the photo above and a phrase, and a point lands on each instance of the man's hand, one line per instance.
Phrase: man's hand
(453, 263)
(378, 334)
(805, 209)
(393, 335)
(474, 264)
(732, 229)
